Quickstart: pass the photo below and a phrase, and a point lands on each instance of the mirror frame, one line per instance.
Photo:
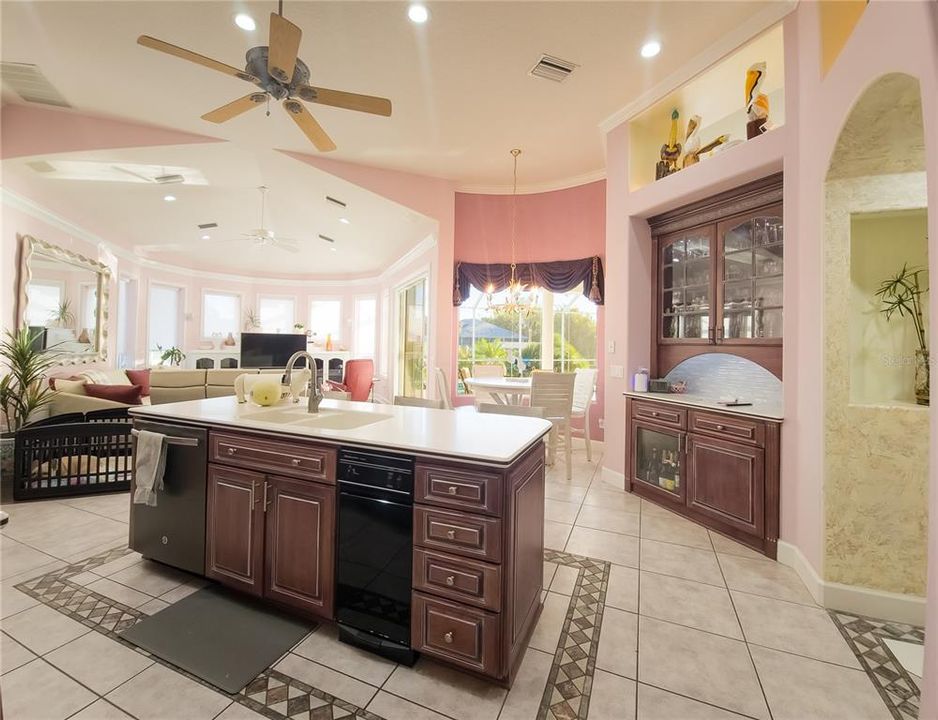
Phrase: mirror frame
(30, 246)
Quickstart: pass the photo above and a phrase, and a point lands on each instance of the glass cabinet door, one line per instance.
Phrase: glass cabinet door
(657, 459)
(686, 285)
(752, 260)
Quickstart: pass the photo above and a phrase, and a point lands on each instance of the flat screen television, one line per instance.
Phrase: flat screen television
(270, 350)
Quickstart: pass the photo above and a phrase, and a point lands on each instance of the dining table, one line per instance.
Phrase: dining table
(502, 390)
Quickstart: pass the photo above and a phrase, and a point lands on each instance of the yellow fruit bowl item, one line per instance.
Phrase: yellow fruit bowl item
(266, 393)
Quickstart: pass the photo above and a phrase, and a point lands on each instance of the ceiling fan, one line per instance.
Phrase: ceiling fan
(281, 75)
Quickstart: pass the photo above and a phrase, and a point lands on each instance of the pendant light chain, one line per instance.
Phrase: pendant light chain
(514, 211)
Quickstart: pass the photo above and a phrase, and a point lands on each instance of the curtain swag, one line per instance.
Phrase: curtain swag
(556, 276)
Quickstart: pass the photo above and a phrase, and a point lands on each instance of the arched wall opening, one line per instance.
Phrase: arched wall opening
(876, 435)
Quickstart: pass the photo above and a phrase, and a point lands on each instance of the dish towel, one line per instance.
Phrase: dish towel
(149, 465)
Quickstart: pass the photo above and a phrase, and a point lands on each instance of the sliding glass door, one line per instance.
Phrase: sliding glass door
(412, 343)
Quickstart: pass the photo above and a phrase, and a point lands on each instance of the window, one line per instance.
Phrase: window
(277, 314)
(164, 315)
(489, 336)
(365, 327)
(325, 319)
(44, 301)
(89, 307)
(413, 346)
(221, 313)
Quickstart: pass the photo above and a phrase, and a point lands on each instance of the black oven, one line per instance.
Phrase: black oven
(375, 552)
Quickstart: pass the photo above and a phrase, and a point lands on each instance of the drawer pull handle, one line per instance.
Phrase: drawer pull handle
(451, 534)
(295, 462)
(232, 451)
(448, 638)
(654, 413)
(450, 580)
(720, 427)
(452, 489)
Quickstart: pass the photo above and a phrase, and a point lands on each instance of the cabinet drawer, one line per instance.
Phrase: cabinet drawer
(658, 413)
(730, 428)
(295, 459)
(460, 489)
(468, 581)
(471, 535)
(453, 632)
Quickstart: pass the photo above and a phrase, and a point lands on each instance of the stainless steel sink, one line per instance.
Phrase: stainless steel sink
(326, 419)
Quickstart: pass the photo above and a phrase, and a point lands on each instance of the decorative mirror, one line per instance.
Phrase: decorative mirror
(63, 300)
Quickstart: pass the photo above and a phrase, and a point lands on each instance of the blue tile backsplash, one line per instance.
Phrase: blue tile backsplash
(715, 375)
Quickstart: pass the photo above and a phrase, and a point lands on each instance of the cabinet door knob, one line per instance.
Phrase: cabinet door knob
(654, 414)
(295, 462)
(451, 534)
(720, 427)
(450, 579)
(448, 638)
(451, 489)
(232, 451)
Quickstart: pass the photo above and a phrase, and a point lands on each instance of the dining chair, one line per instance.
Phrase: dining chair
(520, 410)
(583, 388)
(463, 376)
(495, 370)
(417, 402)
(442, 387)
(554, 393)
(336, 395)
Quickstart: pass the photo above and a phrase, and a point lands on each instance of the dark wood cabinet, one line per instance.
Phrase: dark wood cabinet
(234, 548)
(300, 544)
(719, 278)
(718, 468)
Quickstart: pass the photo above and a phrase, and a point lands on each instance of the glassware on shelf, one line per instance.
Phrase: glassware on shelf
(657, 460)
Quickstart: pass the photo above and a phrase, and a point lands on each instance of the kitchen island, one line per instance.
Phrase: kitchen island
(417, 530)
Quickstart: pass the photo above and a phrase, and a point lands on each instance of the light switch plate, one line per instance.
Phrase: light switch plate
(616, 371)
(611, 346)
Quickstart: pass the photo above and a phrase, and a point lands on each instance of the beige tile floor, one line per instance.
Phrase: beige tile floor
(696, 627)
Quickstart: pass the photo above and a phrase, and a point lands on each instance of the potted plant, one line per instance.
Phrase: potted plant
(23, 389)
(252, 321)
(63, 315)
(173, 355)
(299, 328)
(904, 294)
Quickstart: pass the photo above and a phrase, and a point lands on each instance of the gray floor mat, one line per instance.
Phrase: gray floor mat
(223, 638)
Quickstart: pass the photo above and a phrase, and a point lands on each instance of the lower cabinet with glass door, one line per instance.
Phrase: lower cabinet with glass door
(720, 469)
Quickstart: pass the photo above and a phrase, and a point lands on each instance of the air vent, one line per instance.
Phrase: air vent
(29, 83)
(208, 226)
(336, 202)
(326, 238)
(553, 68)
(169, 179)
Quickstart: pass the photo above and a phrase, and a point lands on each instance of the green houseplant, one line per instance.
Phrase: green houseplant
(63, 315)
(252, 320)
(173, 355)
(903, 294)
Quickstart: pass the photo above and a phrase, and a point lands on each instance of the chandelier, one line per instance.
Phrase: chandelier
(518, 299)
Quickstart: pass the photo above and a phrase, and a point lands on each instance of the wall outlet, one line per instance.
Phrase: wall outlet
(602, 423)
(616, 371)
(611, 346)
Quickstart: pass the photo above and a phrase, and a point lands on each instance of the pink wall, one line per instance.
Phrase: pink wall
(890, 37)
(561, 225)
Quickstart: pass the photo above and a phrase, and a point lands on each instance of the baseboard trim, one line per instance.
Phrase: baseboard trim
(612, 477)
(860, 600)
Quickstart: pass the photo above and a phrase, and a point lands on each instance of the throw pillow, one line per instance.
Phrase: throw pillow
(67, 385)
(128, 394)
(141, 378)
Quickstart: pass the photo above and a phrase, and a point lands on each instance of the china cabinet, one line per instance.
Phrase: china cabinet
(719, 268)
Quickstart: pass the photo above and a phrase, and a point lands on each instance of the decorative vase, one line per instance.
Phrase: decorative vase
(922, 372)
(229, 341)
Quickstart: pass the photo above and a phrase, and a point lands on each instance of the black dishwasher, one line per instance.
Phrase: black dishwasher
(173, 532)
(375, 552)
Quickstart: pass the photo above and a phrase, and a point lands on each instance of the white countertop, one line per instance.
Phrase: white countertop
(462, 434)
(759, 409)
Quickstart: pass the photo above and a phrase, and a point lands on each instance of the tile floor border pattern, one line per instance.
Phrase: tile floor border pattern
(865, 637)
(272, 694)
(570, 679)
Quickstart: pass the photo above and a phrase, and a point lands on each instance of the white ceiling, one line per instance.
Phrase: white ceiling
(460, 85)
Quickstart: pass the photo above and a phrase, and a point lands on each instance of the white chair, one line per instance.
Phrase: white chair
(417, 402)
(520, 410)
(554, 393)
(442, 386)
(583, 388)
(496, 370)
(336, 395)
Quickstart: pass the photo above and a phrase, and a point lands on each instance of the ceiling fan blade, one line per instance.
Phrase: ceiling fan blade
(284, 45)
(235, 108)
(208, 62)
(349, 101)
(307, 123)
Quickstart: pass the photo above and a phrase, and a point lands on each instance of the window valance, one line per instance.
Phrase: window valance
(557, 276)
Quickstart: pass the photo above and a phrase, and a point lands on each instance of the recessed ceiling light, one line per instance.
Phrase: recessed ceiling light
(332, 248)
(345, 221)
(651, 48)
(245, 22)
(169, 198)
(206, 237)
(418, 13)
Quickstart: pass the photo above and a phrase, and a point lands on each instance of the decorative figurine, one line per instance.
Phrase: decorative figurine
(757, 104)
(669, 152)
(692, 149)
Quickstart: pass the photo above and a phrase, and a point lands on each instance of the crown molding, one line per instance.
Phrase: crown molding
(733, 40)
(549, 186)
(39, 212)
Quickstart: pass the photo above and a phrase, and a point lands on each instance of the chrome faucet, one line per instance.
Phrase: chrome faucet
(315, 392)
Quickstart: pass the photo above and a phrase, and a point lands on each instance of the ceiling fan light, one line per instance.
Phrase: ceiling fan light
(651, 48)
(418, 13)
(245, 22)
(169, 198)
(345, 221)
(206, 237)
